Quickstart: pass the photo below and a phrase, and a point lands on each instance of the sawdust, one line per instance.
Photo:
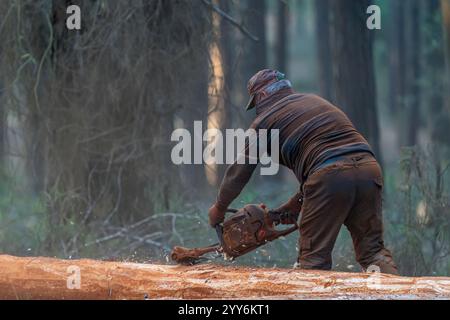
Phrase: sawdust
(46, 278)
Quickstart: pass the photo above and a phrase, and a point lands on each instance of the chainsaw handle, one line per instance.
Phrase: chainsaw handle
(219, 228)
(276, 218)
(219, 231)
(285, 232)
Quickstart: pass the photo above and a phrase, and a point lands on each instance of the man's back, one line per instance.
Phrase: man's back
(311, 129)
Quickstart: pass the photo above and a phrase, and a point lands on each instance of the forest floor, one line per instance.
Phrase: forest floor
(49, 278)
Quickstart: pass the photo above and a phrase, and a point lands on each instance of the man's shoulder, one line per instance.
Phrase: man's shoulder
(312, 97)
(303, 98)
(294, 102)
(314, 101)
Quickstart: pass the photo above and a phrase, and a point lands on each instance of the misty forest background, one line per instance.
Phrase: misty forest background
(86, 118)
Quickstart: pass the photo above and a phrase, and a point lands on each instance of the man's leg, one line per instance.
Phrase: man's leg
(365, 221)
(328, 198)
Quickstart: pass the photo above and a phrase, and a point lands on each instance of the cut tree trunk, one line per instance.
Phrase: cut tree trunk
(48, 278)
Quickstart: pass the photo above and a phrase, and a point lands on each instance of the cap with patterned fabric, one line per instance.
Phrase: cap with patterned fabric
(263, 84)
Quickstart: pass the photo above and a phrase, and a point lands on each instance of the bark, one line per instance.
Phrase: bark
(3, 123)
(48, 278)
(397, 46)
(57, 161)
(3, 127)
(324, 59)
(438, 120)
(193, 85)
(2, 116)
(281, 51)
(414, 43)
(34, 126)
(353, 69)
(228, 60)
(405, 69)
(445, 5)
(254, 54)
(256, 51)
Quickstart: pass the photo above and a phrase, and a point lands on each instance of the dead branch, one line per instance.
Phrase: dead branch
(230, 19)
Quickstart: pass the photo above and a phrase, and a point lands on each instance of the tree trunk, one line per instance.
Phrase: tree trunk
(324, 59)
(405, 69)
(256, 51)
(414, 44)
(353, 69)
(438, 120)
(228, 59)
(254, 54)
(397, 50)
(193, 107)
(3, 127)
(2, 116)
(281, 51)
(445, 5)
(99, 116)
(47, 278)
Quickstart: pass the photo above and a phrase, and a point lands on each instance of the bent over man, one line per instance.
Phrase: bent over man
(340, 179)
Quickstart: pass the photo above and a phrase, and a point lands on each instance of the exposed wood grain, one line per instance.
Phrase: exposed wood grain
(46, 278)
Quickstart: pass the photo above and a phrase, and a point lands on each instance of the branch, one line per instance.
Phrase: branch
(230, 19)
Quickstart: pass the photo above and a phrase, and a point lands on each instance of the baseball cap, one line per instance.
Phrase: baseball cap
(260, 81)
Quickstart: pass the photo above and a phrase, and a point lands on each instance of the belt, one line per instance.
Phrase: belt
(333, 160)
(328, 162)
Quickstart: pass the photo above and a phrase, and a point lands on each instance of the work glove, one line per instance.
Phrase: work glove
(290, 210)
(216, 215)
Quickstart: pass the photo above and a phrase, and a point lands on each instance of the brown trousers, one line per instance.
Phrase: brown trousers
(347, 192)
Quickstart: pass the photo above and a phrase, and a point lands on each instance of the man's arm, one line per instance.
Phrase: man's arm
(290, 210)
(236, 177)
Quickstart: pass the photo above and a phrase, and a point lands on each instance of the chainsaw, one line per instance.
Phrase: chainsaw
(245, 230)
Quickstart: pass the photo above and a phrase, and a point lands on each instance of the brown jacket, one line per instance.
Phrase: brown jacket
(311, 130)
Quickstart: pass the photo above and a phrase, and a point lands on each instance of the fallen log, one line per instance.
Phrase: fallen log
(48, 278)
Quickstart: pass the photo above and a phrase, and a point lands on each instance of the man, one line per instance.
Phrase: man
(341, 181)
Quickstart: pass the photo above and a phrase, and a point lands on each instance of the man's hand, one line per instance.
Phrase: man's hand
(290, 211)
(216, 215)
(284, 217)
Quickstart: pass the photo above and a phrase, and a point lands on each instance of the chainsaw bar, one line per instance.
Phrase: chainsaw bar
(193, 256)
(244, 231)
